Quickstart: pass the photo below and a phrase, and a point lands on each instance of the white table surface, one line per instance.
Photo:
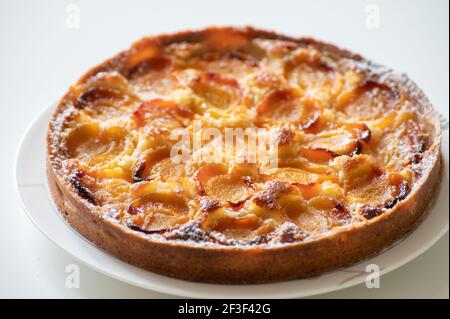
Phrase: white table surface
(41, 56)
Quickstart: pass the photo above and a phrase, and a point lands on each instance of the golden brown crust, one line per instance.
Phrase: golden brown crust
(190, 253)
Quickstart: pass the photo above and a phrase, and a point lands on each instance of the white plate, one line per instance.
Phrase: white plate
(31, 185)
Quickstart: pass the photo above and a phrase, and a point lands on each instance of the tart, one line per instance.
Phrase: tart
(358, 156)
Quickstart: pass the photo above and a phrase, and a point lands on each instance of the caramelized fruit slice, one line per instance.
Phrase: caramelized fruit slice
(368, 101)
(168, 171)
(324, 195)
(249, 225)
(310, 71)
(228, 228)
(327, 197)
(157, 207)
(80, 183)
(231, 64)
(95, 144)
(158, 113)
(106, 95)
(99, 96)
(384, 193)
(359, 131)
(148, 66)
(309, 190)
(313, 222)
(141, 52)
(411, 143)
(247, 222)
(220, 220)
(336, 142)
(286, 106)
(317, 154)
(142, 170)
(296, 175)
(205, 173)
(292, 203)
(350, 139)
(357, 171)
(229, 188)
(217, 90)
(153, 78)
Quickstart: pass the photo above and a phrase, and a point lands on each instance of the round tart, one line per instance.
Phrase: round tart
(358, 156)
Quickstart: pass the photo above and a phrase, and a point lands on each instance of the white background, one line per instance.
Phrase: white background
(41, 57)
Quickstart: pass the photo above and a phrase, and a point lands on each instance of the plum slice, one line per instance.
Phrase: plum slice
(230, 64)
(385, 193)
(317, 154)
(227, 227)
(98, 95)
(247, 222)
(142, 51)
(215, 181)
(142, 170)
(217, 90)
(368, 101)
(330, 144)
(350, 139)
(309, 190)
(205, 173)
(157, 207)
(154, 64)
(310, 71)
(162, 113)
(228, 188)
(82, 190)
(93, 143)
(286, 106)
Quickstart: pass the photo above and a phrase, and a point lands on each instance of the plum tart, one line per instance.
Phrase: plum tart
(358, 156)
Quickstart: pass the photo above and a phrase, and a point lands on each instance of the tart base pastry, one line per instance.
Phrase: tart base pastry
(358, 154)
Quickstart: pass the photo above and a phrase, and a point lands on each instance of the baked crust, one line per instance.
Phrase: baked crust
(185, 252)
